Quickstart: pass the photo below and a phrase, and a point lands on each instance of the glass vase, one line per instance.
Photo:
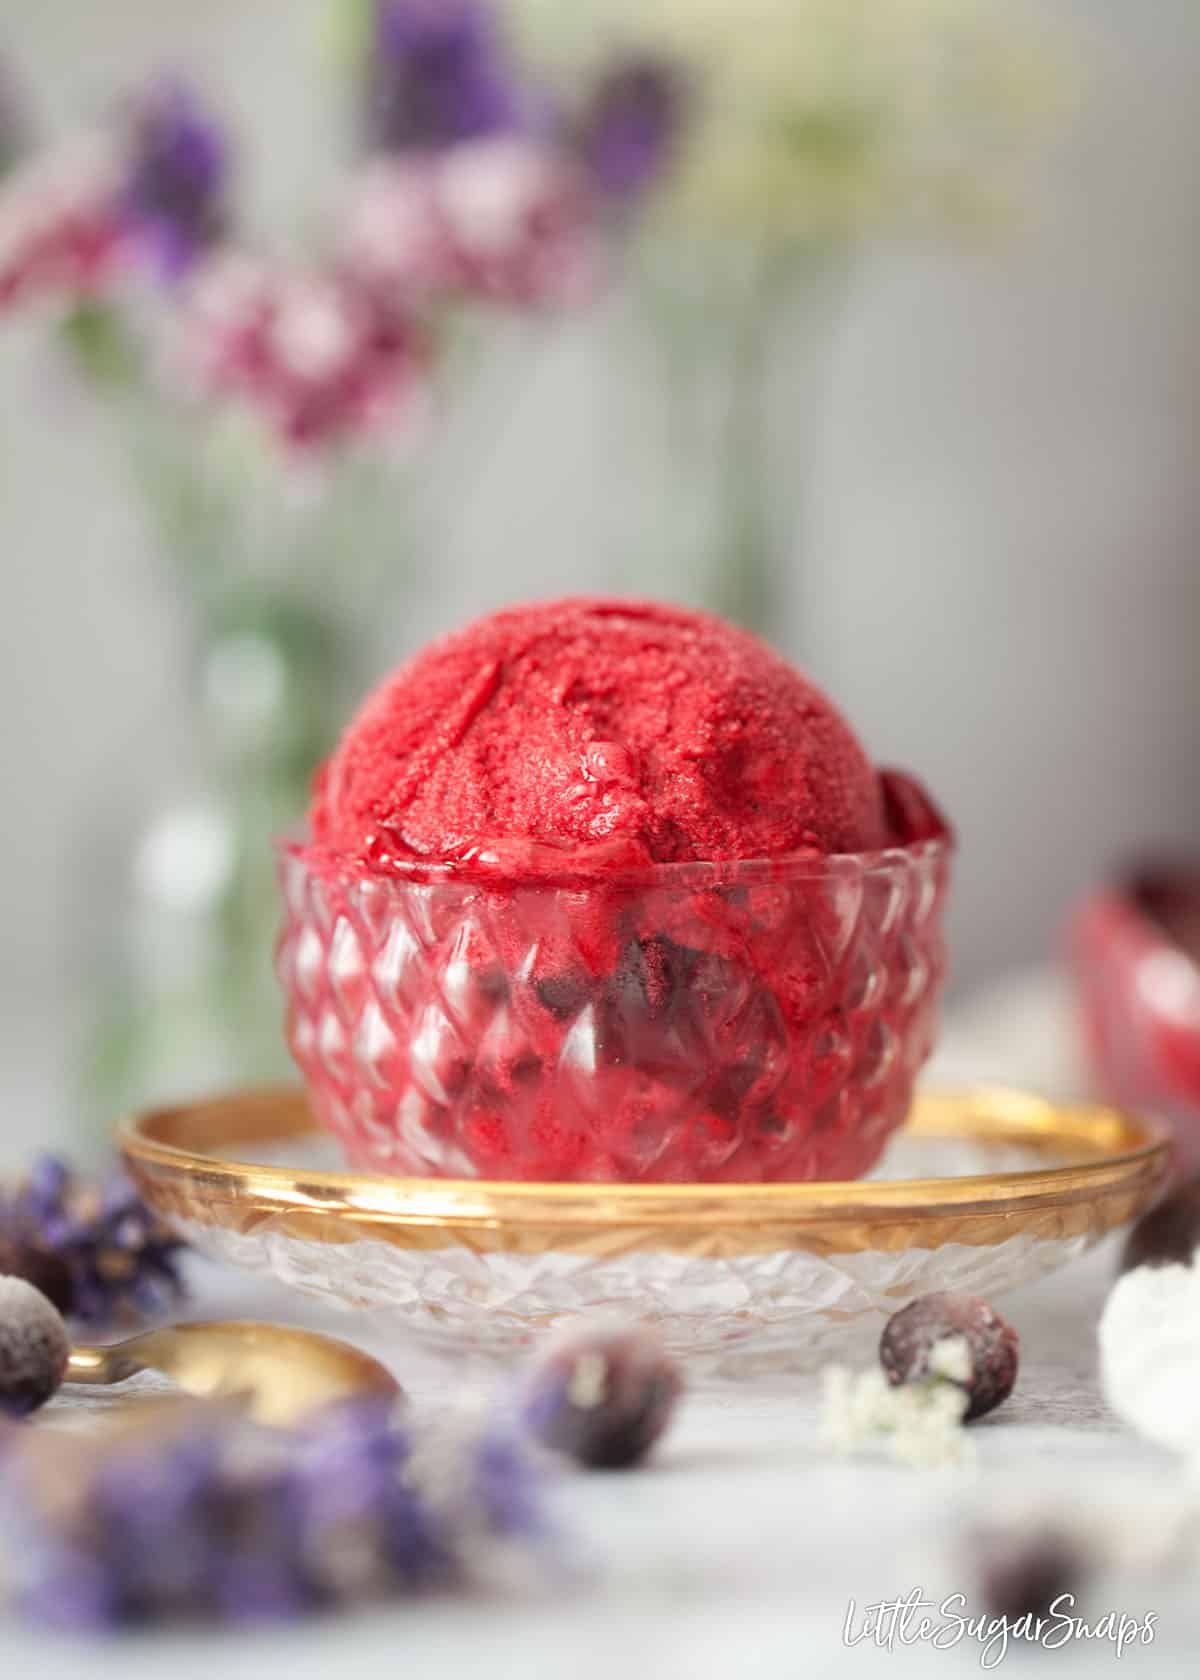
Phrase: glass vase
(270, 572)
(719, 377)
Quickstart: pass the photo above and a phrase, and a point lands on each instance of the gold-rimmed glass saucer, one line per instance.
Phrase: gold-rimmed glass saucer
(983, 1190)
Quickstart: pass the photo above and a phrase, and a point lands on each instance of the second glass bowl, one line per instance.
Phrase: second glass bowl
(754, 1021)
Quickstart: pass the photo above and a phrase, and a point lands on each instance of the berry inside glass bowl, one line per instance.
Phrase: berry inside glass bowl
(759, 1020)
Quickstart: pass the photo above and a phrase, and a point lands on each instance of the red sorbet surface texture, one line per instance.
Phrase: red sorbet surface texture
(650, 732)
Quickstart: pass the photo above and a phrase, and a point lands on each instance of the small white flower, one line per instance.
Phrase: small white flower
(951, 1358)
(916, 1423)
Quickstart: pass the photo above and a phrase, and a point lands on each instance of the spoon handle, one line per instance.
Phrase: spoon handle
(103, 1364)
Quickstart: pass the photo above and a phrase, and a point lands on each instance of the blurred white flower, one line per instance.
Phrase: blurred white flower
(817, 118)
(915, 1423)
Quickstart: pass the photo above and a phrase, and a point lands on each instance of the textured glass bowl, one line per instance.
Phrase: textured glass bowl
(1135, 948)
(753, 1021)
(982, 1190)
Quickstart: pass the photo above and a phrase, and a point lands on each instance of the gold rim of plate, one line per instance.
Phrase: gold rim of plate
(1104, 1168)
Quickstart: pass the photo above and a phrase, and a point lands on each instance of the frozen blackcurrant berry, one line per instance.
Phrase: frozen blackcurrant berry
(1168, 1234)
(41, 1267)
(603, 1398)
(1021, 1573)
(563, 995)
(652, 974)
(33, 1347)
(981, 1355)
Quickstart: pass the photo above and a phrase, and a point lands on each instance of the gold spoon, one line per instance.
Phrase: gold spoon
(278, 1374)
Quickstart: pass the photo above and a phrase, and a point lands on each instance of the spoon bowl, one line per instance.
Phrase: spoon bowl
(279, 1374)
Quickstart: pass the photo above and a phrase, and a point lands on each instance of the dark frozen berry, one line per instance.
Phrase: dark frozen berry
(653, 973)
(603, 1398)
(525, 1069)
(563, 995)
(1022, 1573)
(45, 1270)
(33, 1347)
(911, 1335)
(492, 985)
(1168, 1234)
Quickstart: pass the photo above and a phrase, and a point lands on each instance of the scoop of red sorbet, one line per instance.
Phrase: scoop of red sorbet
(504, 1018)
(648, 732)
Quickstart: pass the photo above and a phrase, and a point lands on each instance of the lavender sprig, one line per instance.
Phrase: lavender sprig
(199, 1514)
(178, 171)
(438, 74)
(96, 1250)
(630, 127)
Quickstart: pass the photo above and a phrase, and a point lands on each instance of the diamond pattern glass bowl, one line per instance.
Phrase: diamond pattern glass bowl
(739, 1277)
(1135, 946)
(752, 1021)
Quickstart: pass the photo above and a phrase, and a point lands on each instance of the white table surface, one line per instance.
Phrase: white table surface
(737, 1552)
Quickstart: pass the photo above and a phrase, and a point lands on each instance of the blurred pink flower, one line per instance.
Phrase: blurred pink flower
(502, 219)
(60, 226)
(319, 361)
(392, 240)
(520, 222)
(103, 205)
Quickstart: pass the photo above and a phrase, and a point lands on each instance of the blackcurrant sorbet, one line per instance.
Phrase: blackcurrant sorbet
(606, 890)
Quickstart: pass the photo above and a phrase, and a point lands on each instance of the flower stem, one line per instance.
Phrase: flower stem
(747, 583)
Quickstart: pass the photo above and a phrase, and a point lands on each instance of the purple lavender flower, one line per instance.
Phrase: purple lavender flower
(65, 1587)
(191, 1514)
(366, 1530)
(504, 1488)
(197, 1513)
(630, 127)
(178, 174)
(438, 73)
(96, 1250)
(156, 1509)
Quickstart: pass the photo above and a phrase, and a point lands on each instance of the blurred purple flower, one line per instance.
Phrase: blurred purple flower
(96, 1250)
(438, 73)
(630, 126)
(175, 193)
(367, 1531)
(507, 1493)
(196, 1513)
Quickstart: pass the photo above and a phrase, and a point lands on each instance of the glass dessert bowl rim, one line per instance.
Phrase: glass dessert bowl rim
(554, 866)
(190, 1162)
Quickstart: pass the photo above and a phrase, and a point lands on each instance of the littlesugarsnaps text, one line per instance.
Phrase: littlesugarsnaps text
(916, 1620)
